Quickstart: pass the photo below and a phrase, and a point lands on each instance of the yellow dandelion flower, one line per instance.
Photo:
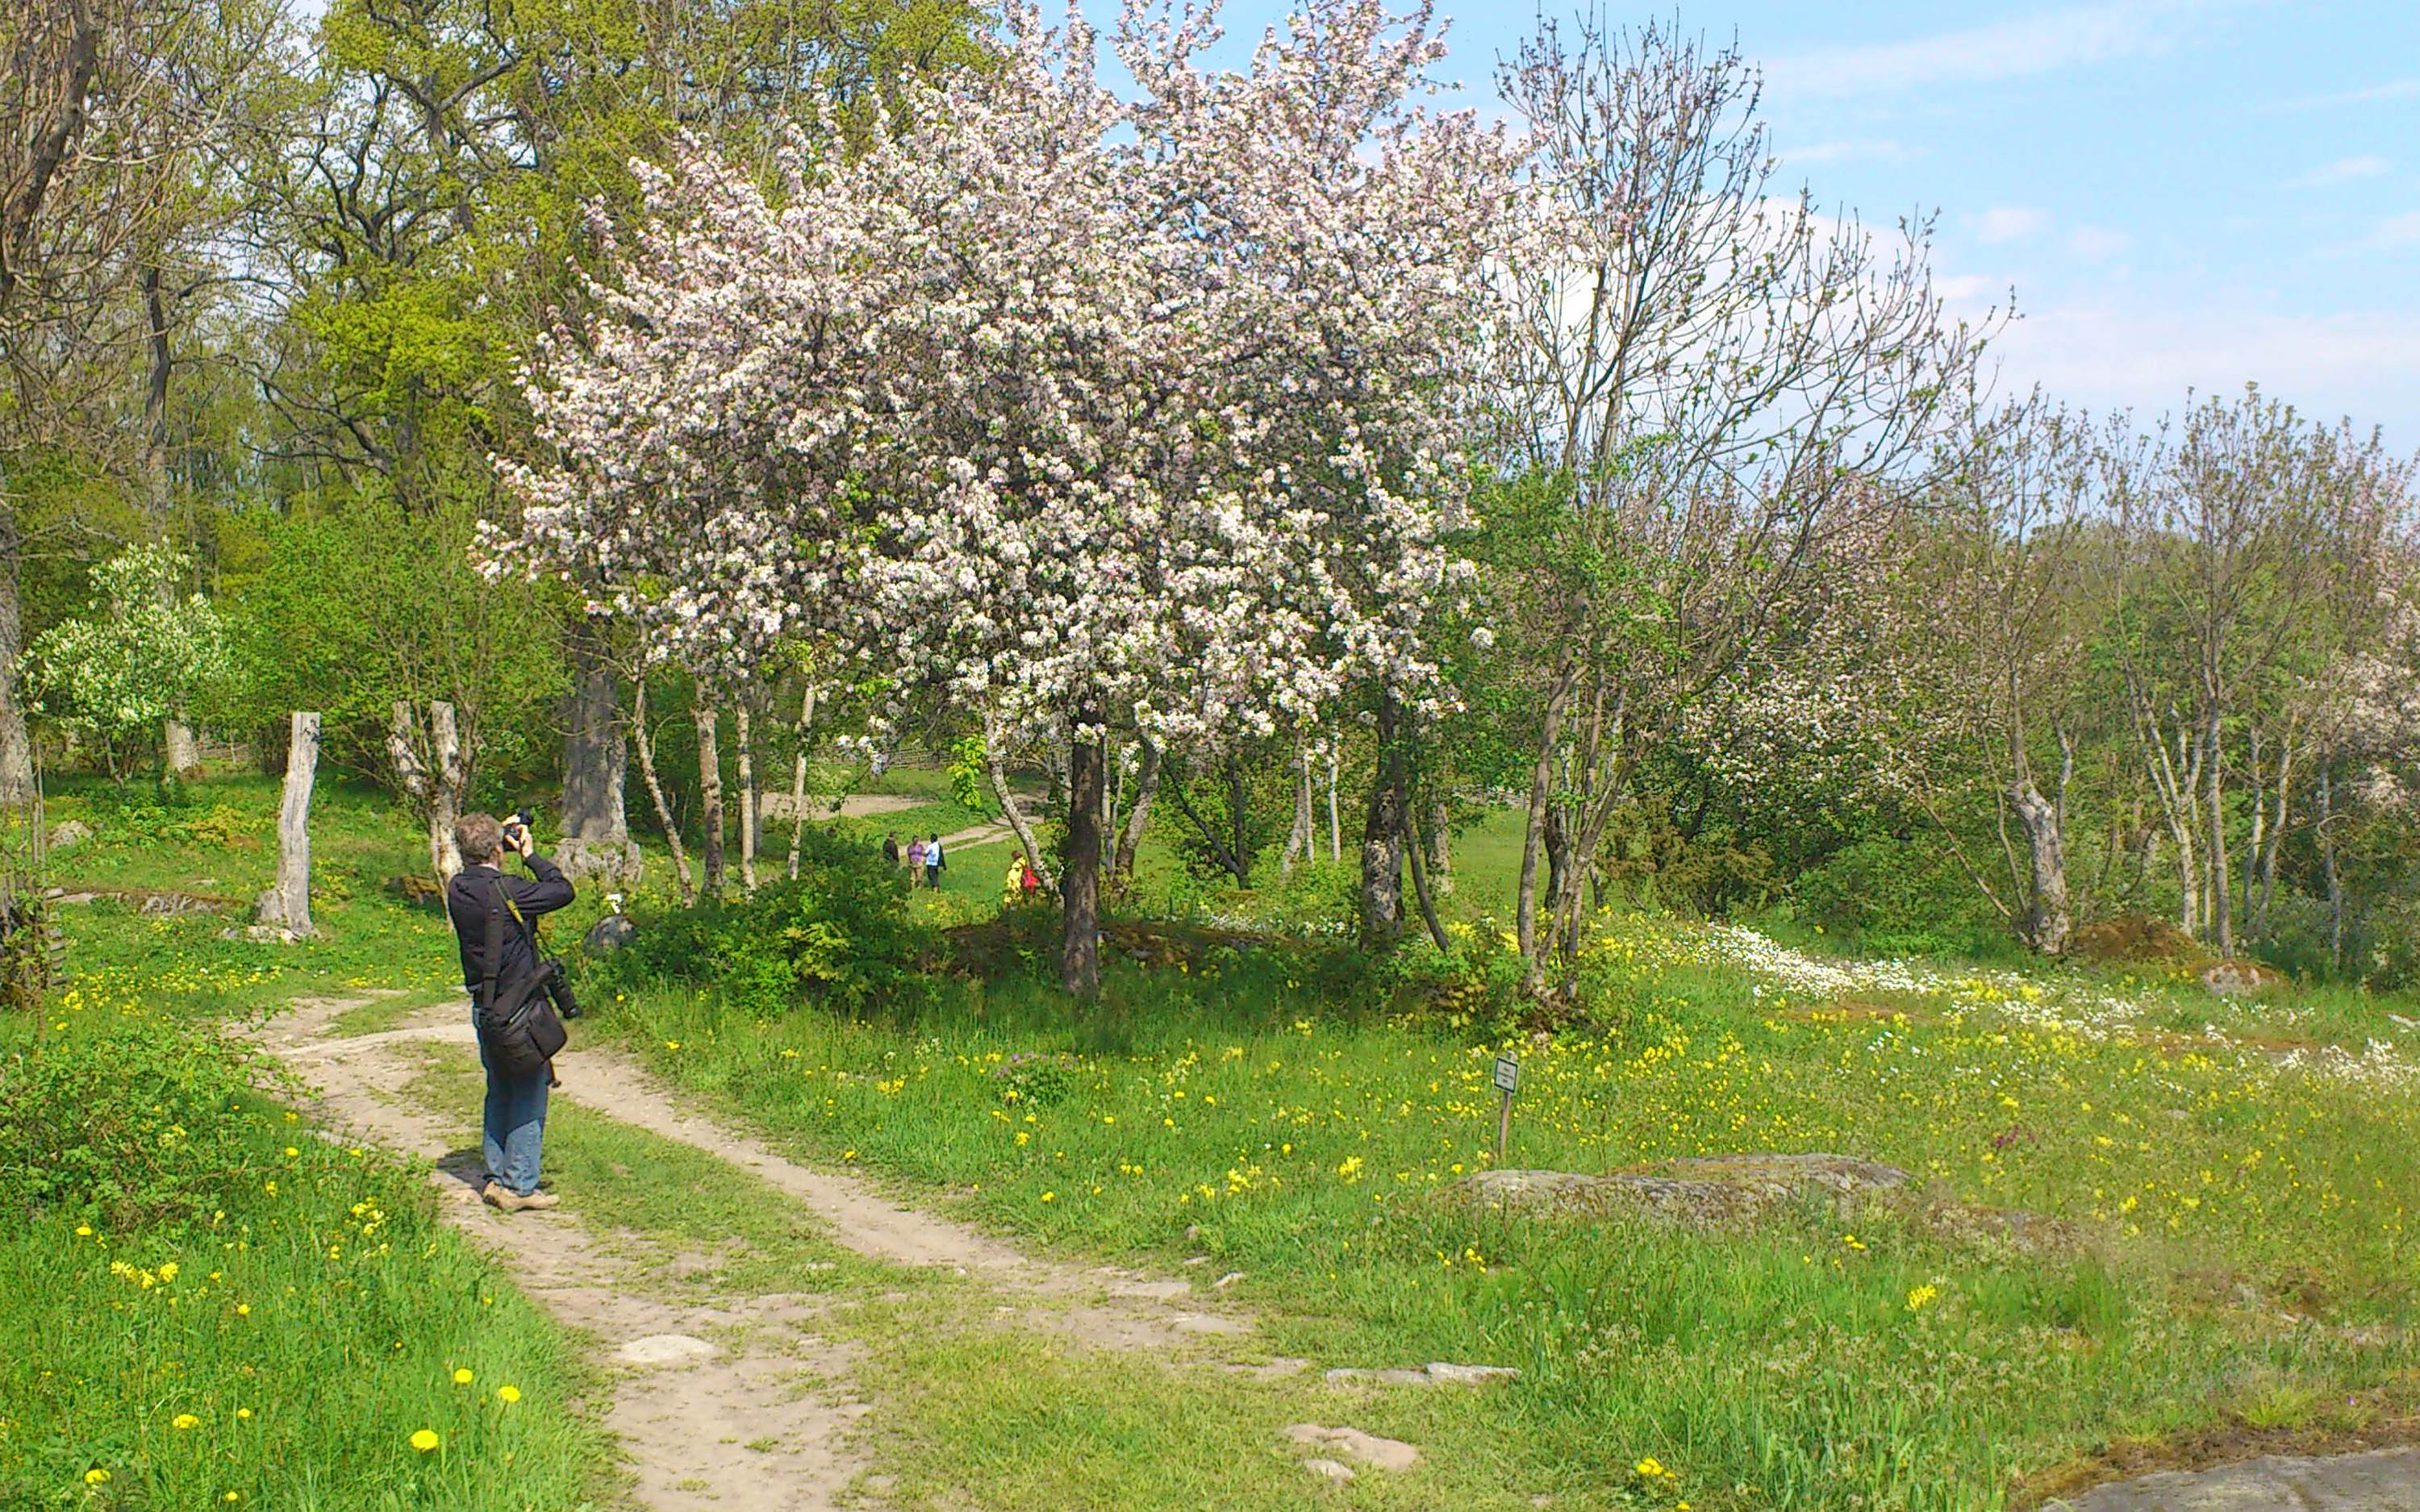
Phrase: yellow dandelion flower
(96, 1476)
(184, 1420)
(508, 1395)
(1049, 1196)
(463, 1378)
(425, 1440)
(243, 1414)
(1648, 1467)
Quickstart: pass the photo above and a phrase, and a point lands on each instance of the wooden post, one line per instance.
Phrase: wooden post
(286, 904)
(1507, 1076)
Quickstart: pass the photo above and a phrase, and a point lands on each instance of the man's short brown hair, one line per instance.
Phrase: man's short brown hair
(479, 837)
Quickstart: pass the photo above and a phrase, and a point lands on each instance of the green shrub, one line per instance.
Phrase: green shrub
(1896, 897)
(134, 1124)
(839, 935)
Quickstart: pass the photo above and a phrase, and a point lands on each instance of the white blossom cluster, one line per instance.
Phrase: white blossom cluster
(1095, 412)
(2071, 1008)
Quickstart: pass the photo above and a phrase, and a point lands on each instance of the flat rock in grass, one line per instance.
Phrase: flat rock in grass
(75, 832)
(1328, 1469)
(2374, 1480)
(663, 1348)
(1446, 1374)
(1694, 1190)
(1385, 1454)
(1435, 1373)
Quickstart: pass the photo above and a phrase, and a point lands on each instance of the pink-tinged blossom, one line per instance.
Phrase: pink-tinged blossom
(1097, 412)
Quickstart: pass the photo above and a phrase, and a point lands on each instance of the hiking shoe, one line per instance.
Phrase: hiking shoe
(504, 1199)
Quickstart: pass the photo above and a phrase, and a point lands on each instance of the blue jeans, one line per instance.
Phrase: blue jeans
(514, 1127)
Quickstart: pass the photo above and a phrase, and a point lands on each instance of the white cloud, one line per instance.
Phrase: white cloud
(2007, 222)
(1965, 288)
(2097, 243)
(2393, 89)
(2342, 171)
(2395, 232)
(1870, 149)
(2073, 37)
(2365, 364)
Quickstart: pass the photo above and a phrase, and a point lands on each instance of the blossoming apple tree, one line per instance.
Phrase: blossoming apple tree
(1110, 416)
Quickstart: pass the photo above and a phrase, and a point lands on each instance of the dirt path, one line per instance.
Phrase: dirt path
(695, 1421)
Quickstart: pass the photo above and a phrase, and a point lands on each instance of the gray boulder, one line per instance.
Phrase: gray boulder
(610, 932)
(1696, 1190)
(75, 832)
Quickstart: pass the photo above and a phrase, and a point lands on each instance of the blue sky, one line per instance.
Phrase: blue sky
(2183, 193)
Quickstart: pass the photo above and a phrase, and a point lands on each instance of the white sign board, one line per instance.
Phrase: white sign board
(1508, 1073)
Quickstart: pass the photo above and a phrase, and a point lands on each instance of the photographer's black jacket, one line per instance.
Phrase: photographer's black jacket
(545, 889)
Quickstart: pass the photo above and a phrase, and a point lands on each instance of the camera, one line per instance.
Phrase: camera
(515, 824)
(558, 989)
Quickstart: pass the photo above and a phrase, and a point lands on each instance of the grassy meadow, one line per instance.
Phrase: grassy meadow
(2230, 1258)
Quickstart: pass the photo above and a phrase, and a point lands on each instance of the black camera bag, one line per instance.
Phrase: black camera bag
(516, 1019)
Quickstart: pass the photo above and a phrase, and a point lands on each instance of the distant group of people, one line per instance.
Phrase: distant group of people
(924, 858)
(925, 861)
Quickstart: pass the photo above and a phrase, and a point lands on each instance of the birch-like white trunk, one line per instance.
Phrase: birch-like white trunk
(286, 904)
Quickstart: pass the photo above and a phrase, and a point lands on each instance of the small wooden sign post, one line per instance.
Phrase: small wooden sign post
(1508, 1078)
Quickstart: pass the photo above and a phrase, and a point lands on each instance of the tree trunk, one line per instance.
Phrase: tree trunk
(2221, 911)
(1533, 836)
(1239, 825)
(1381, 837)
(2276, 840)
(708, 720)
(286, 904)
(594, 763)
(2188, 877)
(798, 777)
(2256, 785)
(180, 756)
(2049, 921)
(656, 791)
(595, 820)
(1420, 881)
(1137, 814)
(1299, 838)
(1335, 825)
(1440, 842)
(434, 778)
(2335, 879)
(16, 749)
(1014, 814)
(1079, 951)
(746, 735)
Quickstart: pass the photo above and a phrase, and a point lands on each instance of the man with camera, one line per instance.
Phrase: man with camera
(510, 986)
